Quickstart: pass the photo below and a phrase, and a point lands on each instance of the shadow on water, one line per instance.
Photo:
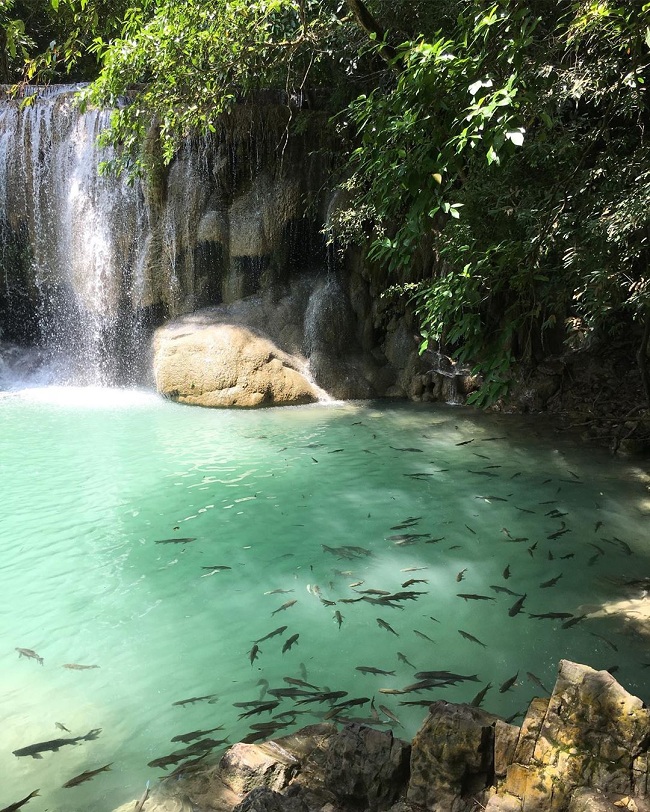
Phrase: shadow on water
(163, 544)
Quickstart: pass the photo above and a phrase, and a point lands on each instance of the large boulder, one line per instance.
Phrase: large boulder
(227, 365)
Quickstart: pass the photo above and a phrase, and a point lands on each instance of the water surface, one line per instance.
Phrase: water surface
(97, 485)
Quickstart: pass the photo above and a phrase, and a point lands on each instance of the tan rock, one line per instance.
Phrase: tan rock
(226, 365)
(244, 767)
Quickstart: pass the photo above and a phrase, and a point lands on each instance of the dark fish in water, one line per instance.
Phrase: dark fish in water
(406, 536)
(559, 533)
(209, 698)
(390, 715)
(30, 654)
(61, 727)
(289, 642)
(368, 669)
(419, 702)
(402, 658)
(446, 675)
(323, 696)
(508, 683)
(414, 569)
(423, 636)
(77, 667)
(282, 692)
(572, 621)
(265, 707)
(517, 606)
(598, 526)
(407, 523)
(532, 549)
(550, 583)
(35, 750)
(217, 568)
(406, 449)
(284, 606)
(300, 682)
(481, 473)
(386, 626)
(195, 734)
(470, 637)
(466, 442)
(279, 592)
(461, 575)
(434, 541)
(18, 804)
(338, 617)
(552, 616)
(472, 597)
(252, 654)
(185, 540)
(412, 581)
(279, 630)
(506, 572)
(79, 779)
(604, 639)
(504, 590)
(537, 681)
(480, 696)
(143, 798)
(473, 532)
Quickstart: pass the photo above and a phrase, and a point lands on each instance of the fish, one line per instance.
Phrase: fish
(472, 597)
(195, 734)
(392, 691)
(461, 575)
(185, 540)
(209, 698)
(605, 640)
(217, 568)
(252, 655)
(35, 750)
(532, 549)
(552, 615)
(506, 572)
(406, 449)
(412, 581)
(279, 592)
(446, 675)
(537, 681)
(504, 590)
(143, 798)
(77, 667)
(551, 582)
(572, 621)
(517, 606)
(386, 626)
(279, 630)
(290, 642)
(368, 669)
(480, 696)
(264, 686)
(390, 714)
(29, 654)
(265, 707)
(338, 617)
(61, 727)
(470, 637)
(323, 696)
(508, 683)
(414, 569)
(86, 776)
(301, 682)
(419, 702)
(282, 692)
(423, 636)
(466, 442)
(598, 526)
(284, 606)
(19, 804)
(402, 658)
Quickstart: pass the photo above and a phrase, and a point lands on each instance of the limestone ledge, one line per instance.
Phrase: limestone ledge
(584, 749)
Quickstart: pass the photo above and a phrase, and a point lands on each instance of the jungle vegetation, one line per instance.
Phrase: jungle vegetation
(494, 153)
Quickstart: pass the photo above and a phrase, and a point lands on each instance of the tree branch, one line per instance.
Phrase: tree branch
(366, 21)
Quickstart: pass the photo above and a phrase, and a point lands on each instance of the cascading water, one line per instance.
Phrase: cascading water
(77, 236)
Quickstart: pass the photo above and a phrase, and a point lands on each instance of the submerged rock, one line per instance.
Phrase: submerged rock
(584, 749)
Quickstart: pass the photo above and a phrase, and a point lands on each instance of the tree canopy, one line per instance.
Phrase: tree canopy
(495, 151)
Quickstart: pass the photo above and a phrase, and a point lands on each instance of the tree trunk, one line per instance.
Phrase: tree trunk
(366, 21)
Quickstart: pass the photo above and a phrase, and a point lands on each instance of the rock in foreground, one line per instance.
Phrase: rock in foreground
(585, 749)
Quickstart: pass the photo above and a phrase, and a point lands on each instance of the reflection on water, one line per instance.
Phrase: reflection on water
(201, 561)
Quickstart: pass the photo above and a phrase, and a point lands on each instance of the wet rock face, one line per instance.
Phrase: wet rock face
(585, 749)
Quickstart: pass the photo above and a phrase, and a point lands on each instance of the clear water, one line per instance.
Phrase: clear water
(92, 479)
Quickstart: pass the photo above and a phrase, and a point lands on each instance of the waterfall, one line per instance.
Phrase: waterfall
(70, 241)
